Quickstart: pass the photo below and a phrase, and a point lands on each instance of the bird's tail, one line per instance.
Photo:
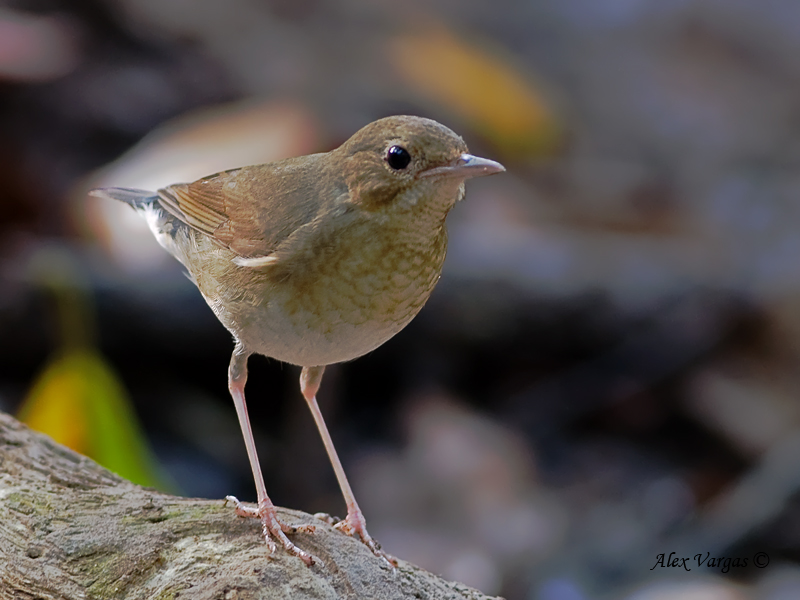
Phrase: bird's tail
(136, 198)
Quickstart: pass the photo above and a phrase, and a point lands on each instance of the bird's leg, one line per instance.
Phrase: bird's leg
(271, 526)
(354, 524)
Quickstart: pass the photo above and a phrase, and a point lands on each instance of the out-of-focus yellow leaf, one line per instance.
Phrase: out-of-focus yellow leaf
(79, 402)
(481, 87)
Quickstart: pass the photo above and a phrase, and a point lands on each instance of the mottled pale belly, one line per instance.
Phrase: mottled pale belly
(326, 319)
(305, 342)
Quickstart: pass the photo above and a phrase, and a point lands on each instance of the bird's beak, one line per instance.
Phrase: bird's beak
(464, 167)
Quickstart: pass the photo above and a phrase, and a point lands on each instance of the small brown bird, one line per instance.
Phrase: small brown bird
(316, 260)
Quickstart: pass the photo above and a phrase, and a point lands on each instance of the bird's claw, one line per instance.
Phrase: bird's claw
(355, 526)
(273, 529)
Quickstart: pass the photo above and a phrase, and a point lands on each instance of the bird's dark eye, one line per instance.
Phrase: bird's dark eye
(398, 157)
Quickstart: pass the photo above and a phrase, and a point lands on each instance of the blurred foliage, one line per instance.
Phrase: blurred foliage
(480, 86)
(79, 401)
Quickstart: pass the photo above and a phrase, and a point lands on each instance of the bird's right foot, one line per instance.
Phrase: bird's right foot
(273, 529)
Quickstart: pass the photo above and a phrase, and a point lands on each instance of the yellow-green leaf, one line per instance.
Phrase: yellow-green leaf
(79, 402)
(480, 86)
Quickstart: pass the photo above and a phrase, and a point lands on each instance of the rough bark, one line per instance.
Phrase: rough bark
(70, 529)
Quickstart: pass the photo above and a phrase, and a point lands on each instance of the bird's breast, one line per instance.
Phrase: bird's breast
(347, 301)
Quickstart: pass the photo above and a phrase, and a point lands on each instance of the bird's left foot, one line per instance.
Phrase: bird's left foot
(274, 529)
(355, 526)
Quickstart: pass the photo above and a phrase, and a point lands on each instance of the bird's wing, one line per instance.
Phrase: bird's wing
(250, 210)
(219, 207)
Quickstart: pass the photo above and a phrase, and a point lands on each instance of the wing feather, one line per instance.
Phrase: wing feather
(251, 210)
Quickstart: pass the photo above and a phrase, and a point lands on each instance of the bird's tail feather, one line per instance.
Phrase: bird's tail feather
(136, 198)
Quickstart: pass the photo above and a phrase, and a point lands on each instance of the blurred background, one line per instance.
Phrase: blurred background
(608, 369)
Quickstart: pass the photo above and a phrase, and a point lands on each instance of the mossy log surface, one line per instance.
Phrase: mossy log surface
(69, 529)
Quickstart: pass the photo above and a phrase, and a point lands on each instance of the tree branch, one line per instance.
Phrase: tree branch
(69, 529)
